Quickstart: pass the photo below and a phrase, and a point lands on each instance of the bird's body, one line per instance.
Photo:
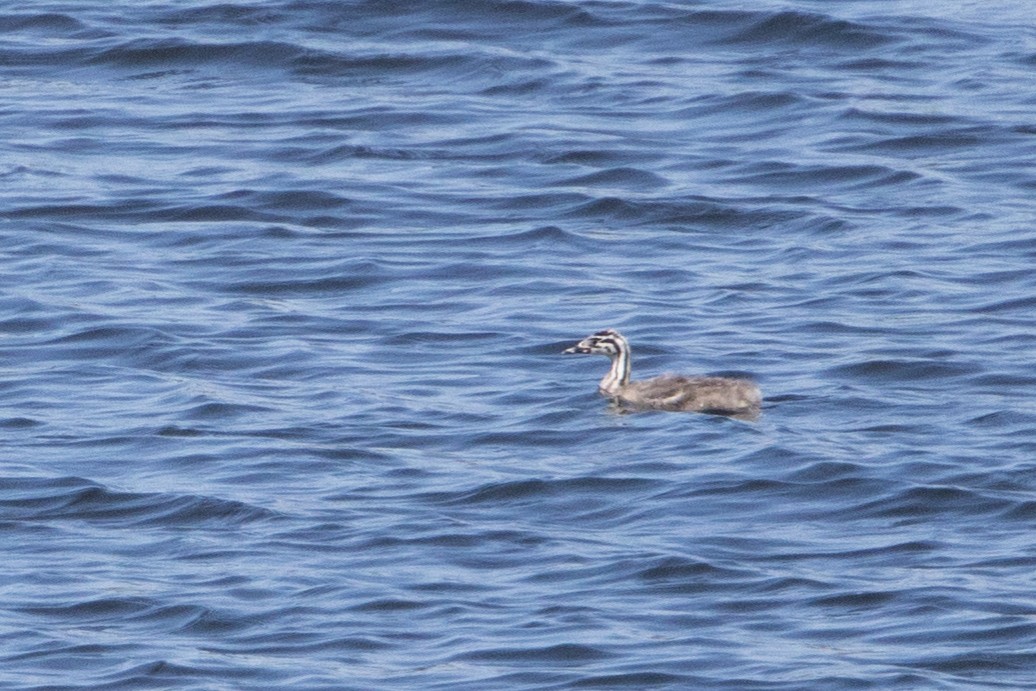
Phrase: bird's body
(721, 395)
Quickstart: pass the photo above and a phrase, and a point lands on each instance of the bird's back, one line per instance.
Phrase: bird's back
(698, 394)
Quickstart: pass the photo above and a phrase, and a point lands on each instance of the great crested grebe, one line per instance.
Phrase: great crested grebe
(718, 395)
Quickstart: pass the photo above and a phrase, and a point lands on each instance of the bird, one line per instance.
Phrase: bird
(717, 395)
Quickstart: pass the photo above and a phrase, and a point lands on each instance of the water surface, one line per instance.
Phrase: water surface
(284, 293)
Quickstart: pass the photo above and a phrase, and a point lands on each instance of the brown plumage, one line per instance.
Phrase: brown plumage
(720, 395)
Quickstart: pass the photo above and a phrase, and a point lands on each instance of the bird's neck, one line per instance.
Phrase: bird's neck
(619, 374)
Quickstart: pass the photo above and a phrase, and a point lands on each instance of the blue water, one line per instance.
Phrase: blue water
(285, 286)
